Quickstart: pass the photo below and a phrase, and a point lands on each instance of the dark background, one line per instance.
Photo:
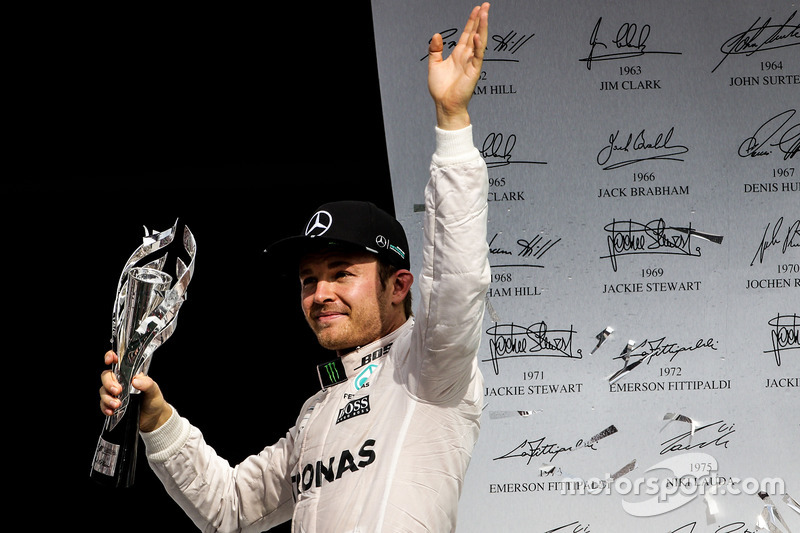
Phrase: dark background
(236, 123)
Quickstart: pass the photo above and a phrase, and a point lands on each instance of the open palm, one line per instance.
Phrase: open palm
(451, 81)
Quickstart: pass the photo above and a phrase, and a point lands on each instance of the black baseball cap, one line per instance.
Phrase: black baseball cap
(357, 225)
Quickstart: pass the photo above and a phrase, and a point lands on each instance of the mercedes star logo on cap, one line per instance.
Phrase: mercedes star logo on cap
(319, 224)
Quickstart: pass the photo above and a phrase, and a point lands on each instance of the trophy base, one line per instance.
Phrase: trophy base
(114, 463)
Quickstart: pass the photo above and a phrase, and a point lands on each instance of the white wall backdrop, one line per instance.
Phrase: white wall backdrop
(644, 182)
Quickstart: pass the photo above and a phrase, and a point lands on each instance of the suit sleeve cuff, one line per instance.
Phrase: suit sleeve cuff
(454, 146)
(164, 442)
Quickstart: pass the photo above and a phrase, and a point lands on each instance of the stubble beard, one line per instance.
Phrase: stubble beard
(358, 328)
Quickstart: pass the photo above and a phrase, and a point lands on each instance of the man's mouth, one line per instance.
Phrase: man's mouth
(328, 316)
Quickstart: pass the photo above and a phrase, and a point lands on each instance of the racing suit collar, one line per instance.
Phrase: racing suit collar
(343, 368)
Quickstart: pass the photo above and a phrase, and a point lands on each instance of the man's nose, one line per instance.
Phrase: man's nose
(324, 292)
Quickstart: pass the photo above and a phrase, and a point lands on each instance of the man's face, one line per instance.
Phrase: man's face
(343, 300)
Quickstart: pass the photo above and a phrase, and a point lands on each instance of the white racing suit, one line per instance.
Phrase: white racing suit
(386, 450)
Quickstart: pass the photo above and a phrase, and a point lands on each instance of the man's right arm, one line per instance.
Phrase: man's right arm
(255, 495)
(257, 492)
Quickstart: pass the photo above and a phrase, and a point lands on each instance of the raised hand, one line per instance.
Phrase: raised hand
(451, 81)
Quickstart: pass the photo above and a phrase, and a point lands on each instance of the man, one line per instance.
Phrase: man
(385, 444)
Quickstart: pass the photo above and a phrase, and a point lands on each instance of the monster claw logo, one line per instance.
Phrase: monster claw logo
(333, 372)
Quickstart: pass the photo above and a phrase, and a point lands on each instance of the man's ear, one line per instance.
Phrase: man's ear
(403, 279)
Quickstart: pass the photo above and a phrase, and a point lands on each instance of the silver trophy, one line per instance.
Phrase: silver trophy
(144, 316)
